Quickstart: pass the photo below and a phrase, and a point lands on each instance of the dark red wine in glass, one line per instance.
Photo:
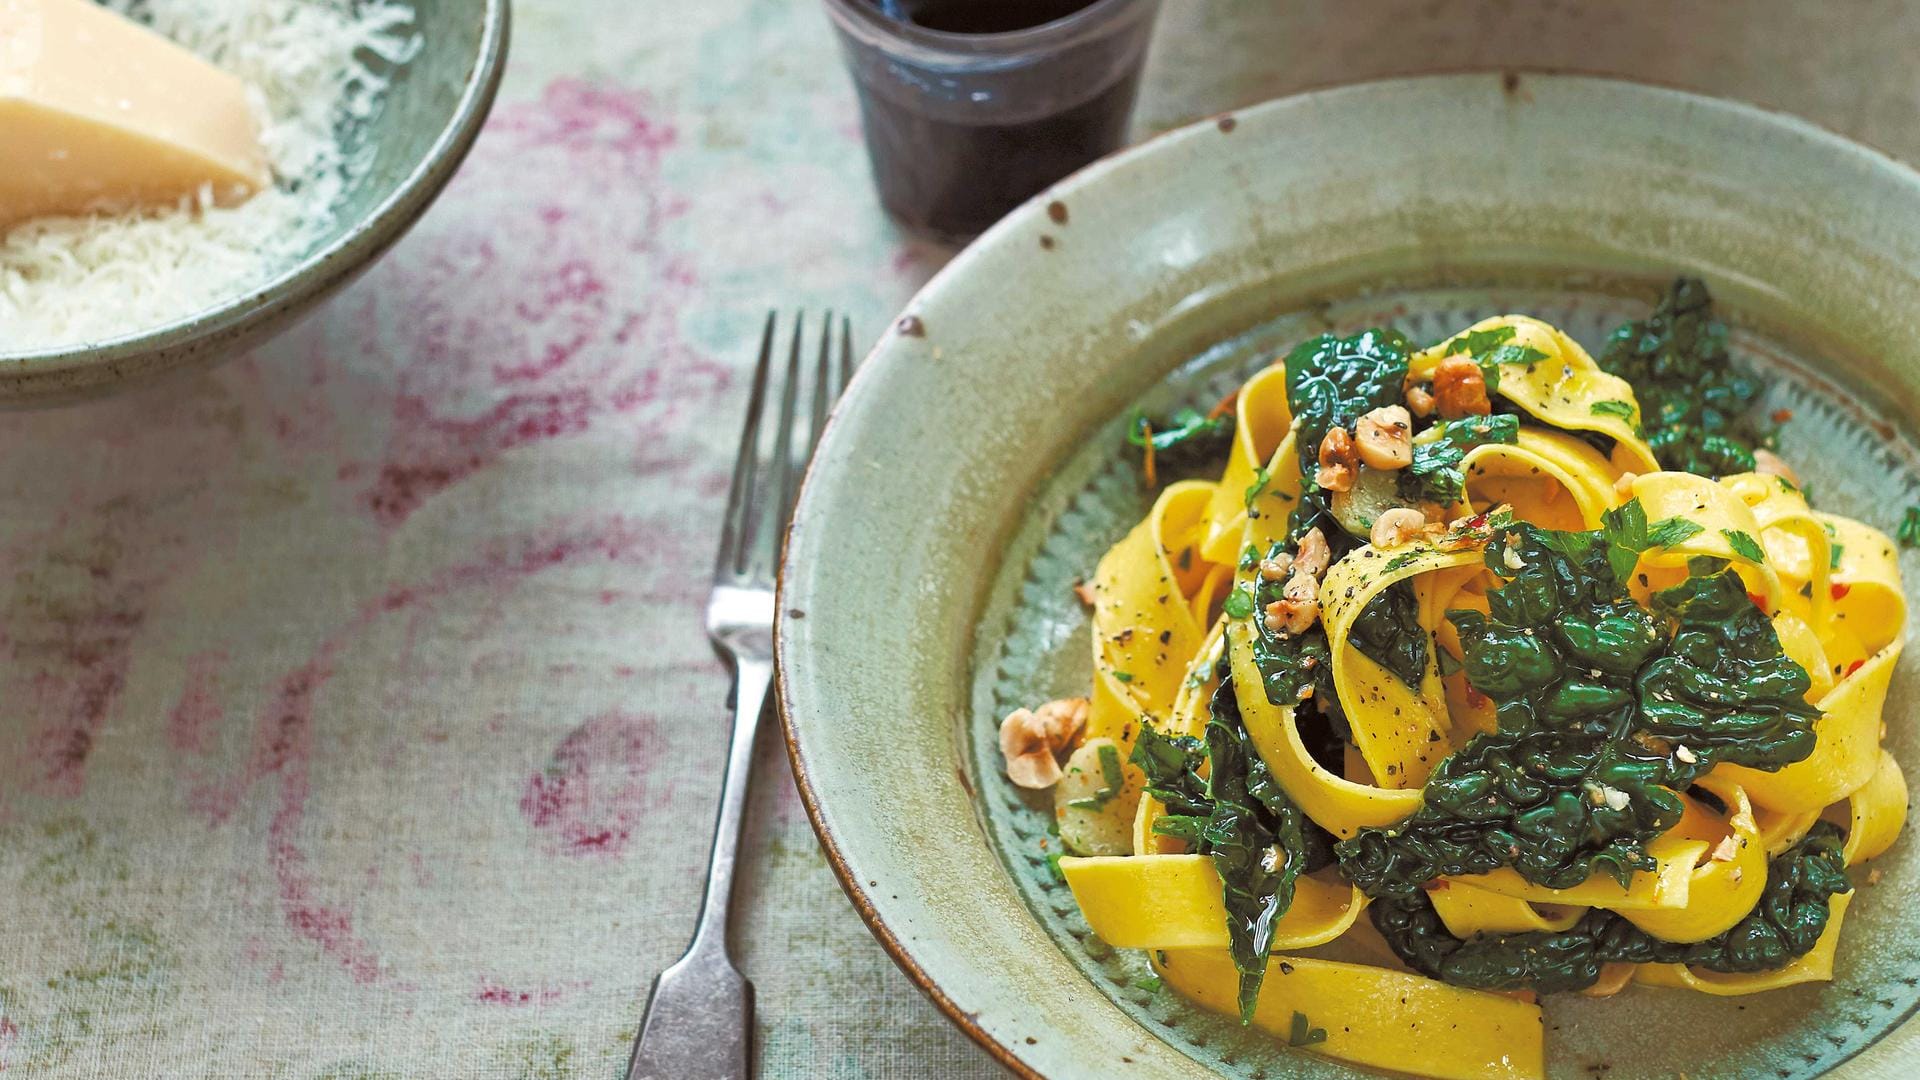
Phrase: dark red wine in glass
(972, 106)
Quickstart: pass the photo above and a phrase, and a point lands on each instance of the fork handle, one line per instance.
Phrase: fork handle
(699, 1022)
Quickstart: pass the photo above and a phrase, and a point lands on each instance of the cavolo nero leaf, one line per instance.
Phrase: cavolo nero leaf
(1696, 408)
(1334, 381)
(1723, 688)
(1388, 632)
(1594, 695)
(1793, 911)
(1258, 839)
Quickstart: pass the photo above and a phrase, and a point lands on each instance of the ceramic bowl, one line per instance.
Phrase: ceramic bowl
(974, 472)
(432, 114)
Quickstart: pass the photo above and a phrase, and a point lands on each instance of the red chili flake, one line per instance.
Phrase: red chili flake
(1437, 884)
(1781, 416)
(1759, 601)
(1477, 699)
(1853, 667)
(1225, 405)
(1840, 589)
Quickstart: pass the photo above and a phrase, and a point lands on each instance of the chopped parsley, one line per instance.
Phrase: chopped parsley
(1111, 776)
(1622, 409)
(1671, 531)
(1150, 983)
(1435, 474)
(1303, 1033)
(1188, 439)
(1744, 545)
(1260, 479)
(1909, 532)
(1238, 605)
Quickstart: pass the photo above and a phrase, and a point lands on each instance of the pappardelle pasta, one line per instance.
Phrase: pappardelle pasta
(1522, 672)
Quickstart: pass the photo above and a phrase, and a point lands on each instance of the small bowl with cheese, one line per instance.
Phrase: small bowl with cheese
(180, 179)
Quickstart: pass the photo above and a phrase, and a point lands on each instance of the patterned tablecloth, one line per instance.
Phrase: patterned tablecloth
(355, 714)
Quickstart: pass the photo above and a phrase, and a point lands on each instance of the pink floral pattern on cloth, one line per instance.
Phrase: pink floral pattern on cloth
(356, 715)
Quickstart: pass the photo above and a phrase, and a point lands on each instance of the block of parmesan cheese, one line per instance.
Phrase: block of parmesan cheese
(100, 113)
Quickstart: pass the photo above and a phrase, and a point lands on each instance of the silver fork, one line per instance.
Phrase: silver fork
(699, 1021)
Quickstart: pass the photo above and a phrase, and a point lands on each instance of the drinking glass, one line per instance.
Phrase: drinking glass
(972, 106)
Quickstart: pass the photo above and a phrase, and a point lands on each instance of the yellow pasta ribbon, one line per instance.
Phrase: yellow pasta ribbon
(1720, 892)
(1374, 1016)
(1188, 717)
(1142, 592)
(1723, 519)
(1550, 478)
(1469, 911)
(1815, 966)
(1401, 731)
(1262, 420)
(1174, 902)
(1848, 750)
(1561, 390)
(1876, 812)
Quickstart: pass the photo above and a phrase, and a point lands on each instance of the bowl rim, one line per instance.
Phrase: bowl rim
(1000, 232)
(327, 267)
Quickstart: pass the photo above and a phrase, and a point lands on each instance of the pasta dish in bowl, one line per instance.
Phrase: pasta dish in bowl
(1464, 651)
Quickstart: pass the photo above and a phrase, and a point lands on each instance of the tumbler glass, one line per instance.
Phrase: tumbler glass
(972, 106)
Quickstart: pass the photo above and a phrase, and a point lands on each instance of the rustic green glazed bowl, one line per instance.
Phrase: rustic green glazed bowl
(432, 114)
(974, 472)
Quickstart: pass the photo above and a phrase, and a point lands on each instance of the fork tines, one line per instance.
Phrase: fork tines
(773, 455)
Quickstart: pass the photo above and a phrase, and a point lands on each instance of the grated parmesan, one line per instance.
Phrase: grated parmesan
(313, 68)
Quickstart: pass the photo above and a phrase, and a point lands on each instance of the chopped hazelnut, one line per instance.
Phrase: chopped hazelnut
(1314, 556)
(1420, 400)
(1084, 590)
(1339, 461)
(1396, 526)
(1384, 438)
(1459, 389)
(1623, 487)
(1276, 567)
(1772, 464)
(1726, 849)
(1298, 606)
(1030, 739)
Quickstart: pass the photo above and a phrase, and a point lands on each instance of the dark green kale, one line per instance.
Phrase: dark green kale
(1724, 689)
(1334, 381)
(1594, 695)
(1696, 408)
(1435, 474)
(1540, 961)
(1785, 924)
(1186, 441)
(1388, 632)
(1259, 840)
